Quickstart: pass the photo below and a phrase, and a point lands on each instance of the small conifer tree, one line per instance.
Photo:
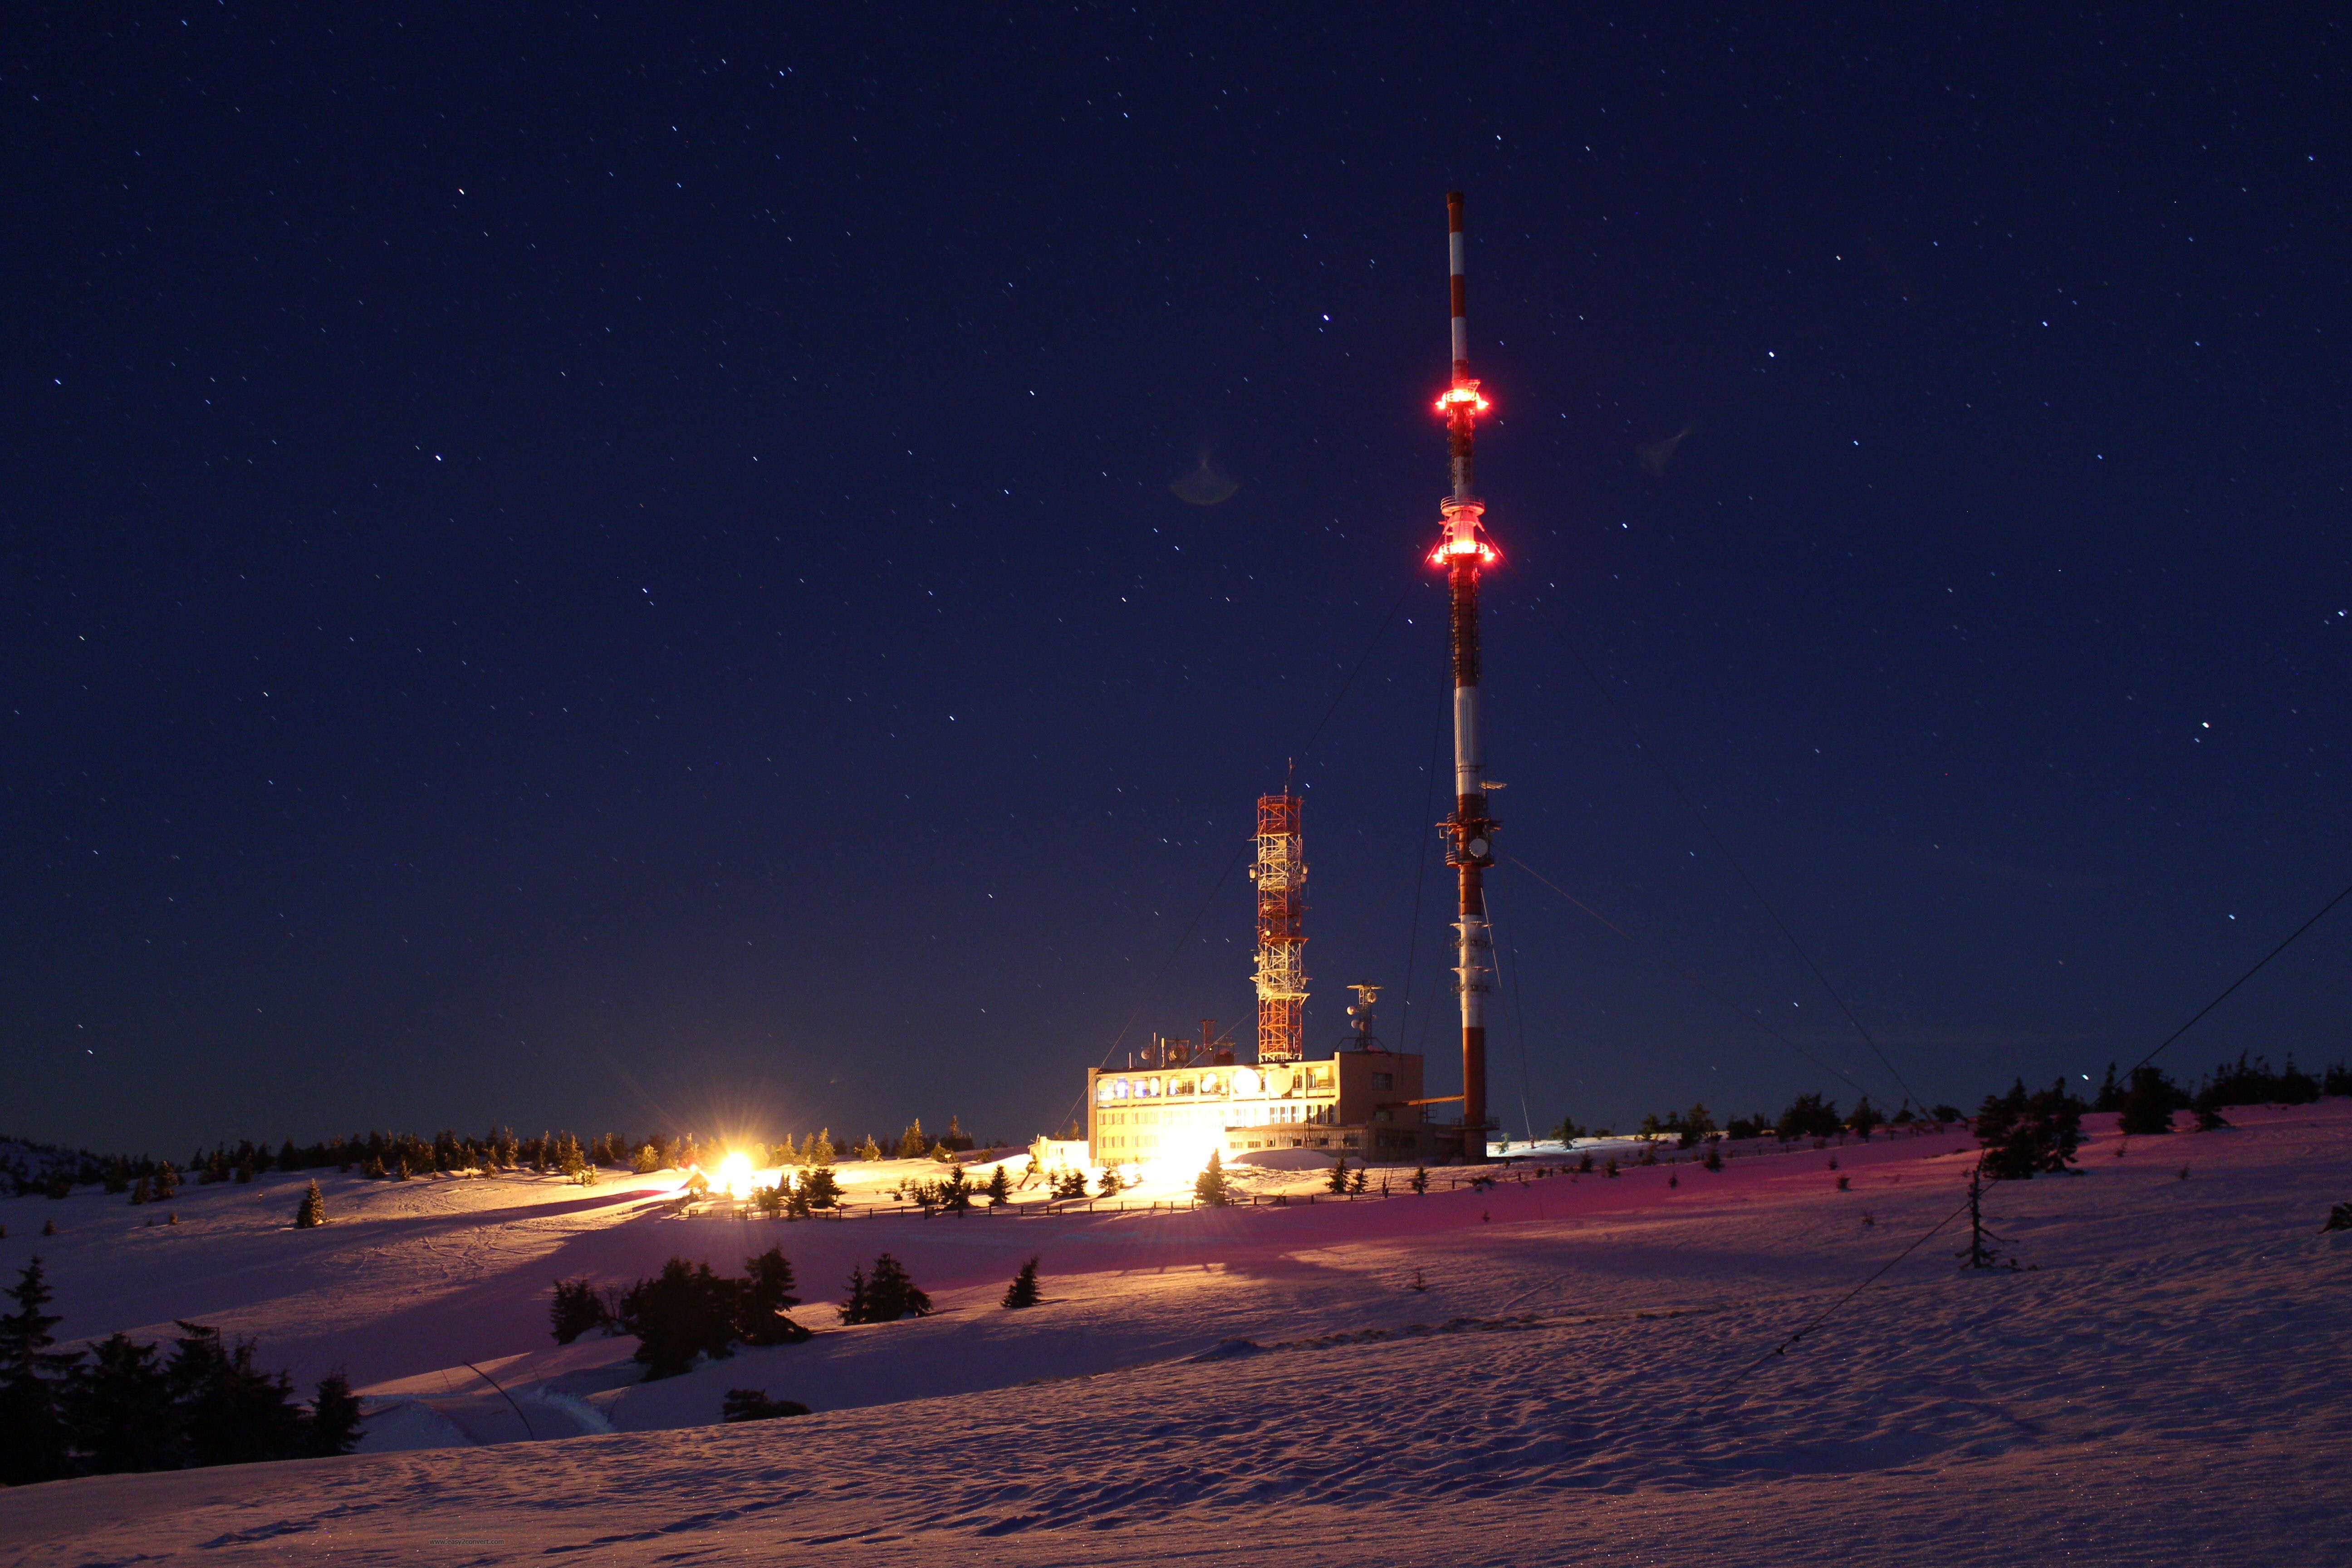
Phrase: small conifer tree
(818, 1151)
(1338, 1180)
(1110, 1185)
(869, 1150)
(891, 1295)
(1000, 1186)
(313, 1209)
(48, 1227)
(1210, 1187)
(1022, 1293)
(1420, 1182)
(858, 1305)
(167, 1181)
(335, 1424)
(577, 1308)
(1356, 1182)
(142, 1192)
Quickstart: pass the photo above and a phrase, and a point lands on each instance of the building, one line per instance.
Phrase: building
(1365, 1103)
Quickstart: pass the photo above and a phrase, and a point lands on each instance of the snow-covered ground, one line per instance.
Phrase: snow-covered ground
(1571, 1369)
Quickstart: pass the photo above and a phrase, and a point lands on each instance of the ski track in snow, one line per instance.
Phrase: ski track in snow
(2169, 1380)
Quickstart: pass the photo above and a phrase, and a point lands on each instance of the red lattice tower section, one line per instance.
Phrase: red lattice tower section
(1281, 876)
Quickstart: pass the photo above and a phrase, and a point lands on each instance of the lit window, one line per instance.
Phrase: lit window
(1119, 1089)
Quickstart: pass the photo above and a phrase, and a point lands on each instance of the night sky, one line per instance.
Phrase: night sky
(607, 571)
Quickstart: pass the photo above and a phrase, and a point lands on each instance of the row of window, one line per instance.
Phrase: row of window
(1306, 1077)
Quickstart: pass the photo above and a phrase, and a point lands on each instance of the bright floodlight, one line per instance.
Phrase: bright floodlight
(734, 1175)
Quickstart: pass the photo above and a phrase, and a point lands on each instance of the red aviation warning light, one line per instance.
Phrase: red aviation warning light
(1464, 537)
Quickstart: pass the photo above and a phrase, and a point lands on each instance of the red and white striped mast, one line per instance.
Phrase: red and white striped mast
(1462, 549)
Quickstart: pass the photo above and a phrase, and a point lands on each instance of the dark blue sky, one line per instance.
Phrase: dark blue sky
(611, 571)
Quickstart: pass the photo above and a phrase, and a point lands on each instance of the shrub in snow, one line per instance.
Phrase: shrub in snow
(1845, 1183)
(1714, 1160)
(753, 1405)
(1022, 1291)
(1583, 1166)
(48, 1227)
(1611, 1168)
(1420, 1181)
(2339, 1218)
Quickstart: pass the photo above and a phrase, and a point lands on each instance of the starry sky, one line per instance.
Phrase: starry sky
(743, 571)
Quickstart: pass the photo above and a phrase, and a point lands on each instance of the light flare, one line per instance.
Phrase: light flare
(734, 1175)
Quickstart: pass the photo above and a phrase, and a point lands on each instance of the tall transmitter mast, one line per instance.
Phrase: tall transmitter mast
(1462, 550)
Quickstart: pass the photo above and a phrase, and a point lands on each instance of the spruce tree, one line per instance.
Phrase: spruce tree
(767, 1290)
(230, 1411)
(858, 1308)
(335, 1424)
(313, 1209)
(1000, 1186)
(142, 1192)
(1420, 1182)
(891, 1295)
(32, 1423)
(576, 1309)
(1356, 1182)
(117, 1409)
(1022, 1293)
(1336, 1181)
(869, 1150)
(1109, 1186)
(1209, 1187)
(819, 1153)
(684, 1311)
(167, 1181)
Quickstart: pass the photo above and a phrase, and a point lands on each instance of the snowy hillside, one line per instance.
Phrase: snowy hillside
(1569, 1369)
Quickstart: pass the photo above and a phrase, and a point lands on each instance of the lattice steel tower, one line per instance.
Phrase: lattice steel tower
(1281, 876)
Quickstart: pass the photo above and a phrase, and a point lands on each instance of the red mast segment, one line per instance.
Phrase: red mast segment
(1462, 549)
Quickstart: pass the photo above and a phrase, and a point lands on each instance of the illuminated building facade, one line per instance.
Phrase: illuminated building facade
(1360, 1104)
